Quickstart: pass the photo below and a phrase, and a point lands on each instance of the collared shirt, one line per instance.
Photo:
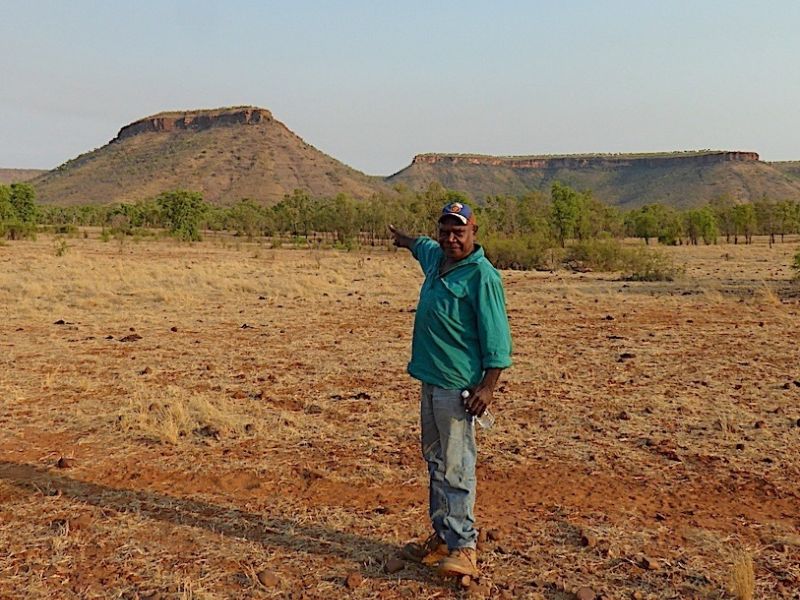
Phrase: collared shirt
(460, 327)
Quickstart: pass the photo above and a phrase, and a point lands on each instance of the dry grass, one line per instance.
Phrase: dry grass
(743, 578)
(264, 420)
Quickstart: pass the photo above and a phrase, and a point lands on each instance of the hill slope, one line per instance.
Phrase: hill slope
(681, 178)
(227, 154)
(19, 175)
(790, 168)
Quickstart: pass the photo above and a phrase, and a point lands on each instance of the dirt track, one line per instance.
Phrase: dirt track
(263, 421)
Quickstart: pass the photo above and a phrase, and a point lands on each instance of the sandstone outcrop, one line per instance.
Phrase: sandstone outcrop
(197, 120)
(579, 161)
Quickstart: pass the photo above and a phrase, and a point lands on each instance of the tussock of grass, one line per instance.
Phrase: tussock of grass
(743, 579)
(173, 415)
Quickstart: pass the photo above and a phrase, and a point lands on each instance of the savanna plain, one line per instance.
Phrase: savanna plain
(230, 420)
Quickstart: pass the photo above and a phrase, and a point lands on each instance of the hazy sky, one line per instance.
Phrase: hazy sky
(374, 82)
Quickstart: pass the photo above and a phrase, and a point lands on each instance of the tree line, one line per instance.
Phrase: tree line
(548, 220)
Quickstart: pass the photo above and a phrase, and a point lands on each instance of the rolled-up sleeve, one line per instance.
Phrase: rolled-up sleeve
(493, 330)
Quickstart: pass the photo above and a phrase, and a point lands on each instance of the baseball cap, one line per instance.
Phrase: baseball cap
(459, 210)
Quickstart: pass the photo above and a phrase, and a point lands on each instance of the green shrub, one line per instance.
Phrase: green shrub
(63, 229)
(598, 255)
(646, 264)
(522, 252)
(15, 229)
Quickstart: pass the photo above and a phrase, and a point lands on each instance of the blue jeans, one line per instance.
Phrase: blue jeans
(448, 446)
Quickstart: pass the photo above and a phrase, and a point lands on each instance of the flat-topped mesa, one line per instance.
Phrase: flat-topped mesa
(587, 161)
(196, 120)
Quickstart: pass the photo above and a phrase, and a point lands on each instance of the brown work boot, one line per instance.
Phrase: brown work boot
(429, 552)
(461, 561)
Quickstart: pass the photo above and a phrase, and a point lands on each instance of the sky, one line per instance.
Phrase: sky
(374, 82)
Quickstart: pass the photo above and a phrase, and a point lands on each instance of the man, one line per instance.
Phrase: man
(461, 341)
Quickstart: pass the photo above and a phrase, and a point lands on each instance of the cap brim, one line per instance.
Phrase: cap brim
(461, 218)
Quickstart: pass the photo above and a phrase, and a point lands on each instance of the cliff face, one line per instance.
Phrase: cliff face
(195, 120)
(578, 161)
(678, 178)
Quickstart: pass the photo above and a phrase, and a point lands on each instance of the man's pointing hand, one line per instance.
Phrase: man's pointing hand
(401, 240)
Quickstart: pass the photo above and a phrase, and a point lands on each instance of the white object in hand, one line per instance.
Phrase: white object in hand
(486, 420)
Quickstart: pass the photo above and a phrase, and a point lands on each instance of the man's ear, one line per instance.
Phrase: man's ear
(475, 228)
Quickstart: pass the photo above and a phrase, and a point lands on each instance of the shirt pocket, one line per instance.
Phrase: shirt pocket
(453, 304)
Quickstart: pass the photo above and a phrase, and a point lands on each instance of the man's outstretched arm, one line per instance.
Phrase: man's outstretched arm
(402, 240)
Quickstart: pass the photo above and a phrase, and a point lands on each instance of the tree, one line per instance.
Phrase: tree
(722, 207)
(744, 221)
(788, 217)
(565, 211)
(767, 219)
(23, 201)
(182, 210)
(644, 223)
(6, 209)
(246, 218)
(701, 223)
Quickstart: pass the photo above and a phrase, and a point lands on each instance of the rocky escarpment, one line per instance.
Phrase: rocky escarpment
(682, 179)
(197, 120)
(583, 161)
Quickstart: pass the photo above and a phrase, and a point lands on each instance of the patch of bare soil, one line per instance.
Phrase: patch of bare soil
(224, 420)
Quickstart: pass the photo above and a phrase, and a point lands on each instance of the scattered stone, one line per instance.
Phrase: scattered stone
(608, 318)
(494, 535)
(740, 446)
(623, 416)
(796, 382)
(65, 463)
(759, 425)
(475, 589)
(637, 595)
(650, 563)
(797, 423)
(626, 356)
(313, 409)
(80, 522)
(481, 537)
(588, 539)
(585, 593)
(60, 322)
(246, 326)
(268, 578)
(353, 580)
(134, 337)
(393, 565)
(173, 328)
(208, 431)
(787, 386)
(145, 371)
(109, 337)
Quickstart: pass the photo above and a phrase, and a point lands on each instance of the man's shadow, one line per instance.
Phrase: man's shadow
(369, 554)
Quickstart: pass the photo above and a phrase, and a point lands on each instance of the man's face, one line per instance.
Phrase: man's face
(456, 239)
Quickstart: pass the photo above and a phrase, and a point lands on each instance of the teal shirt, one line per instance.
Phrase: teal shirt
(460, 327)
